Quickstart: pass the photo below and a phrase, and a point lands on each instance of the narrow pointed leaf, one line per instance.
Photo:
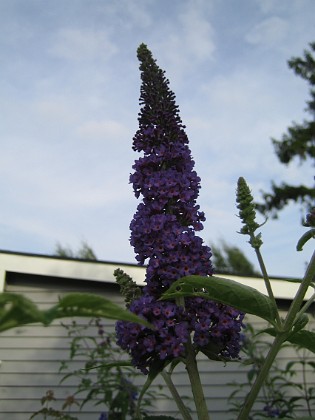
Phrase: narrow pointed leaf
(159, 418)
(17, 310)
(305, 238)
(303, 338)
(229, 292)
(85, 304)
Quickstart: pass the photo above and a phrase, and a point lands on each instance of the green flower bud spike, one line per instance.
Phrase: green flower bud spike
(128, 288)
(247, 213)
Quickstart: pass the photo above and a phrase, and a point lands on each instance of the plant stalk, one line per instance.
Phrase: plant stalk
(279, 340)
(179, 402)
(306, 305)
(196, 386)
(251, 397)
(298, 300)
(267, 284)
(194, 377)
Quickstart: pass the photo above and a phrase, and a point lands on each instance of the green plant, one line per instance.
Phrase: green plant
(105, 376)
(281, 394)
(47, 411)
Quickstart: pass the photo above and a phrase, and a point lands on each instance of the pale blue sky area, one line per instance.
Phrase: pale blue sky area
(69, 105)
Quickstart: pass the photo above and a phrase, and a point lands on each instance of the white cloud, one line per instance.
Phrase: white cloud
(269, 32)
(136, 13)
(103, 130)
(193, 41)
(56, 109)
(198, 34)
(80, 44)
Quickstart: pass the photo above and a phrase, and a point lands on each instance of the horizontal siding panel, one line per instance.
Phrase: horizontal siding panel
(33, 355)
(53, 379)
(35, 343)
(55, 328)
(19, 366)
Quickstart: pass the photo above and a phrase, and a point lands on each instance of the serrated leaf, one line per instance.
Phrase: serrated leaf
(229, 292)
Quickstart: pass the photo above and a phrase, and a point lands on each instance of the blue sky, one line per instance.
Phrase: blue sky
(69, 105)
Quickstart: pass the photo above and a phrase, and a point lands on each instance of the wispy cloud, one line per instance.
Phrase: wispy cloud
(82, 45)
(269, 32)
(103, 130)
(69, 107)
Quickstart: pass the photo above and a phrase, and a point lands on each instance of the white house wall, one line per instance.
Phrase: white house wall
(31, 355)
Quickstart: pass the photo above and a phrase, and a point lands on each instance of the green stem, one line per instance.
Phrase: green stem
(305, 387)
(306, 306)
(179, 402)
(298, 300)
(193, 373)
(279, 340)
(261, 377)
(196, 386)
(268, 284)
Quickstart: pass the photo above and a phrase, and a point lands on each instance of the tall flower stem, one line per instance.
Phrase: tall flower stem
(196, 386)
(179, 402)
(251, 397)
(267, 283)
(194, 377)
(279, 339)
(298, 300)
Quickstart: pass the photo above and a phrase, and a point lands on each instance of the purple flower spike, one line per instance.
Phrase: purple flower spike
(163, 234)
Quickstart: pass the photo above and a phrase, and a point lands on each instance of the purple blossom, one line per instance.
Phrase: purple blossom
(148, 346)
(163, 234)
(272, 412)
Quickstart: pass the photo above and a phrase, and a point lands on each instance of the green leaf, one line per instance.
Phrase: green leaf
(305, 238)
(212, 350)
(231, 293)
(90, 305)
(303, 338)
(299, 418)
(17, 310)
(300, 323)
(159, 418)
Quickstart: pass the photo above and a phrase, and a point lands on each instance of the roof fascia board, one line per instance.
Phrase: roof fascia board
(102, 271)
(66, 268)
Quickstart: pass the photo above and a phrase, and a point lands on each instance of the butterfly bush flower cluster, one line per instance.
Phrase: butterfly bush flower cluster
(163, 234)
